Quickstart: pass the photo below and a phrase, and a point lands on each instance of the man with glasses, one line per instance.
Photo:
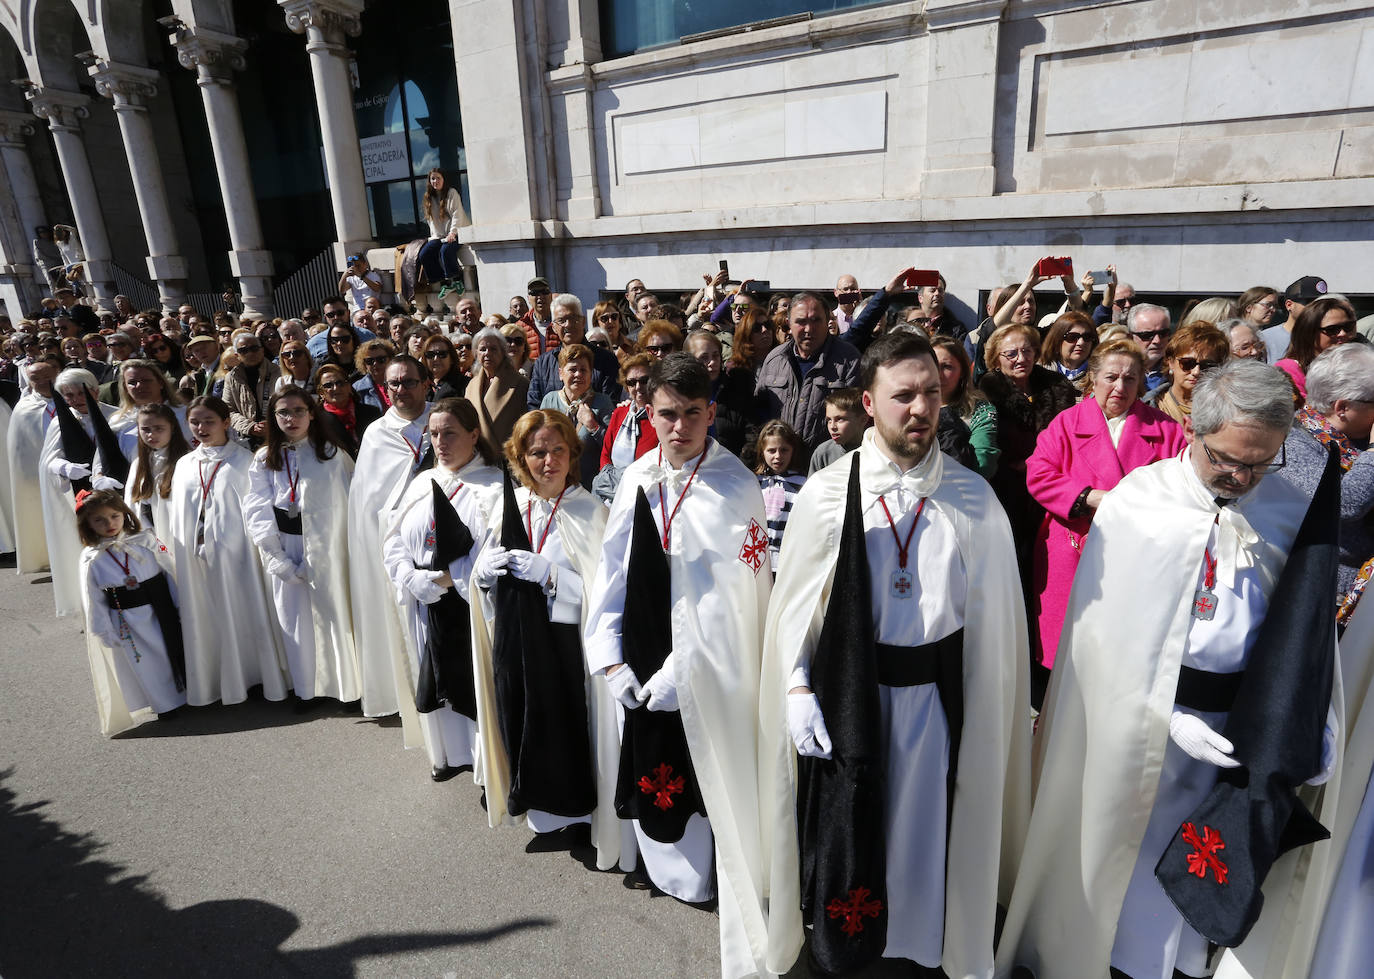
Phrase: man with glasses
(537, 322)
(1118, 299)
(394, 449)
(1150, 326)
(248, 388)
(570, 326)
(1168, 601)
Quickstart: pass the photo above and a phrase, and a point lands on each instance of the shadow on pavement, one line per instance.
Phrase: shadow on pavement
(254, 714)
(64, 911)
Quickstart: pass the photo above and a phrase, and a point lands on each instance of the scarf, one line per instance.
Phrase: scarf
(347, 417)
(1321, 430)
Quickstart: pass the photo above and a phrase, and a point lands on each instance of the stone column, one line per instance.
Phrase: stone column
(22, 283)
(64, 111)
(130, 87)
(215, 57)
(324, 24)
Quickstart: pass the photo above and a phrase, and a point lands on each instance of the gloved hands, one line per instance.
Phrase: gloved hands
(490, 565)
(1198, 740)
(279, 567)
(807, 726)
(68, 470)
(528, 566)
(660, 693)
(1328, 750)
(103, 482)
(625, 687)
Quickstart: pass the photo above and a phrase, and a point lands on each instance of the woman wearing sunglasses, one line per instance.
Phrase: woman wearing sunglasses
(1067, 347)
(442, 359)
(370, 363)
(1322, 324)
(296, 366)
(1193, 350)
(607, 316)
(166, 354)
(346, 415)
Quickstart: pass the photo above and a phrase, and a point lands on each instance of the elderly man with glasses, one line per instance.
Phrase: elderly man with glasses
(248, 388)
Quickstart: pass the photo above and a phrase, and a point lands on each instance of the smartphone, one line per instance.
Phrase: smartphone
(1053, 267)
(1100, 276)
(922, 277)
(725, 267)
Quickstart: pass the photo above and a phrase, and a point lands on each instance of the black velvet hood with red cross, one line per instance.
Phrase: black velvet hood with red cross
(1215, 865)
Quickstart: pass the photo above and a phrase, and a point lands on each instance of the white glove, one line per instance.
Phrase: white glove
(302, 575)
(1198, 740)
(279, 567)
(660, 693)
(528, 566)
(625, 687)
(807, 726)
(490, 565)
(68, 470)
(103, 482)
(1328, 751)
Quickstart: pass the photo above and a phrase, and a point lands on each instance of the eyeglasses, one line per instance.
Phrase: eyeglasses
(293, 354)
(404, 384)
(376, 361)
(1265, 303)
(1331, 330)
(738, 309)
(286, 414)
(1076, 338)
(1145, 336)
(634, 382)
(539, 292)
(659, 348)
(1189, 364)
(609, 316)
(1021, 353)
(332, 385)
(332, 313)
(248, 348)
(335, 340)
(436, 355)
(1255, 469)
(224, 333)
(1123, 303)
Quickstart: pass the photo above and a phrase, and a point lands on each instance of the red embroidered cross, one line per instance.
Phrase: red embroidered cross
(1204, 853)
(854, 909)
(755, 546)
(661, 787)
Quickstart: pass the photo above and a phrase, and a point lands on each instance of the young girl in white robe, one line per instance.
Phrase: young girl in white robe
(160, 446)
(129, 595)
(465, 470)
(296, 512)
(233, 640)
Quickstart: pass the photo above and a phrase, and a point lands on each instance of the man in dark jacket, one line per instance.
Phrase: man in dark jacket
(569, 325)
(795, 377)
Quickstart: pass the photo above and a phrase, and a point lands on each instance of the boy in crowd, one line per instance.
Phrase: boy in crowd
(845, 420)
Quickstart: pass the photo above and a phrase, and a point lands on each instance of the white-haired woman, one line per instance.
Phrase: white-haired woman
(497, 390)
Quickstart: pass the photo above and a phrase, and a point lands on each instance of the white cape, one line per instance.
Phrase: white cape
(24, 445)
(233, 641)
(7, 531)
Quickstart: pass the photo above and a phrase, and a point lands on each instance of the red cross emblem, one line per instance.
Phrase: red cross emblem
(1204, 855)
(854, 909)
(755, 548)
(661, 787)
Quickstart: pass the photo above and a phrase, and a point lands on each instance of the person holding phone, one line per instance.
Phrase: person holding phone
(360, 282)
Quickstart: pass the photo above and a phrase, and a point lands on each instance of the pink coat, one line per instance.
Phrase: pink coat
(1073, 453)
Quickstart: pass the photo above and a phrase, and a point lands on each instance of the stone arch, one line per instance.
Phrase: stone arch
(50, 32)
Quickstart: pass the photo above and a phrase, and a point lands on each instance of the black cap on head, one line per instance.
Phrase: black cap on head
(537, 284)
(1307, 289)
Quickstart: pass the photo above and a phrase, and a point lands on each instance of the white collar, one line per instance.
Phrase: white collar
(879, 475)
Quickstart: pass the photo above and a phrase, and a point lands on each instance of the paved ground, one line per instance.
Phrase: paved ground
(250, 842)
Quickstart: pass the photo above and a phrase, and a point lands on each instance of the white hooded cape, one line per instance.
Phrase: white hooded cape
(1103, 735)
(24, 444)
(6, 492)
(59, 518)
(383, 471)
(232, 638)
(581, 522)
(719, 601)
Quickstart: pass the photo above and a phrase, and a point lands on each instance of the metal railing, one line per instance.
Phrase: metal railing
(307, 285)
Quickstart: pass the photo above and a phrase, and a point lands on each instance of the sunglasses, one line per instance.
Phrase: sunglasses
(659, 348)
(1076, 338)
(1189, 364)
(333, 313)
(738, 309)
(293, 354)
(1123, 303)
(1331, 330)
(609, 316)
(162, 350)
(376, 361)
(224, 333)
(249, 348)
(436, 355)
(634, 382)
(334, 340)
(1145, 336)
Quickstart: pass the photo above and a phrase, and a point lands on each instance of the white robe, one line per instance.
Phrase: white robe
(157, 505)
(59, 519)
(719, 596)
(386, 458)
(573, 544)
(128, 656)
(233, 639)
(7, 531)
(314, 615)
(24, 444)
(1103, 748)
(450, 737)
(964, 577)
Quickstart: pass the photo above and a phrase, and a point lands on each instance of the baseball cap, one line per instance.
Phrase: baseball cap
(538, 284)
(1306, 289)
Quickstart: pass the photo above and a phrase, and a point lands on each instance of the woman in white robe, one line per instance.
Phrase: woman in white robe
(59, 512)
(564, 524)
(24, 444)
(129, 651)
(233, 640)
(465, 470)
(296, 512)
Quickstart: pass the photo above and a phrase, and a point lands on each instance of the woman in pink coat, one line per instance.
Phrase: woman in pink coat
(1083, 453)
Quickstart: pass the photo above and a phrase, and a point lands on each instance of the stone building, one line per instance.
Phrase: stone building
(205, 144)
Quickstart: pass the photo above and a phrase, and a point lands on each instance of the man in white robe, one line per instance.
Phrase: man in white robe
(930, 586)
(707, 512)
(393, 450)
(28, 427)
(1167, 603)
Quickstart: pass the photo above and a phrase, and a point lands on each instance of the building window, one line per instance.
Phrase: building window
(628, 26)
